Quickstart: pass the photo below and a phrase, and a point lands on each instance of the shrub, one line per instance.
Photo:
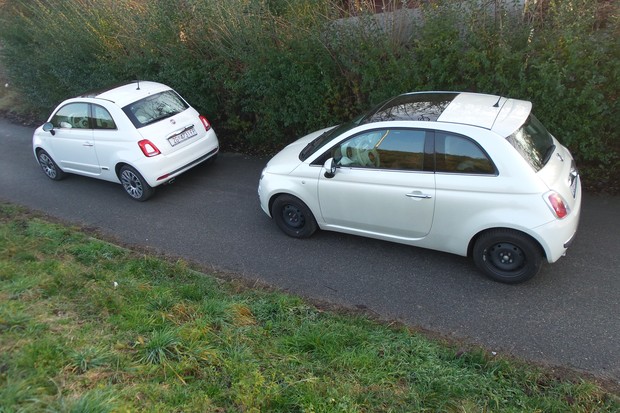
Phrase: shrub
(268, 71)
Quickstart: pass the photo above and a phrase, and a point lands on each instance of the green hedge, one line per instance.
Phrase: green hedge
(268, 71)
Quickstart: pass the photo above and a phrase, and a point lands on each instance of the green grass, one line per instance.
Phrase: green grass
(86, 326)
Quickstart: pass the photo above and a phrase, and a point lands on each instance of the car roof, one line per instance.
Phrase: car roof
(499, 114)
(127, 93)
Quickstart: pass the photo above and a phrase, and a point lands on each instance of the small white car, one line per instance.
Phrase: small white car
(470, 174)
(141, 135)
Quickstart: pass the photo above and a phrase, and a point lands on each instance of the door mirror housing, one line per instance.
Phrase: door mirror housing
(49, 127)
(330, 168)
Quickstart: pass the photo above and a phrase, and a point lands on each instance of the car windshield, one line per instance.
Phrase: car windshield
(325, 137)
(533, 142)
(155, 108)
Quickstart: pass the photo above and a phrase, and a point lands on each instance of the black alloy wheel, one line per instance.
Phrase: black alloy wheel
(507, 255)
(293, 217)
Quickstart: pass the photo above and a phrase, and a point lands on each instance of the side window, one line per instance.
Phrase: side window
(102, 118)
(72, 116)
(460, 155)
(397, 149)
(359, 151)
(402, 149)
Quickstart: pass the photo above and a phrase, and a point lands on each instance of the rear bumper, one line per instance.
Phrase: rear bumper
(568, 243)
(168, 176)
(557, 236)
(162, 168)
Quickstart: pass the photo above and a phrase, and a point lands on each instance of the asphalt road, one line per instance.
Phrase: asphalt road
(569, 315)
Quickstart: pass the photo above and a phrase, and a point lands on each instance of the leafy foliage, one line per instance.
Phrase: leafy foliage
(268, 71)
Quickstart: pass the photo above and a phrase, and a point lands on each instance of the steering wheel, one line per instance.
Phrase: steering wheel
(79, 121)
(370, 158)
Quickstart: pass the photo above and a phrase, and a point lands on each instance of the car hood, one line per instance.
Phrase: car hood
(285, 161)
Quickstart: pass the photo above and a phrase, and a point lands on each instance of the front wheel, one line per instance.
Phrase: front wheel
(49, 167)
(134, 184)
(293, 217)
(507, 256)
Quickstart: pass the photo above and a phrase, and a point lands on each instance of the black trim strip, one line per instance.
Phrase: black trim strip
(197, 161)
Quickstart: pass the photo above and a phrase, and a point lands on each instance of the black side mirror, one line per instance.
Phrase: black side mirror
(49, 127)
(330, 168)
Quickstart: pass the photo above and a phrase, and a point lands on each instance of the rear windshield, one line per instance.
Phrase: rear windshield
(155, 108)
(533, 142)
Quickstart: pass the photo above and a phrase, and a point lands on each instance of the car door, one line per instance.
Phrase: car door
(72, 143)
(381, 186)
(470, 192)
(111, 140)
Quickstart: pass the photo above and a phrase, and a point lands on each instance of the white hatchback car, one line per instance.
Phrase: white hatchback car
(465, 173)
(141, 135)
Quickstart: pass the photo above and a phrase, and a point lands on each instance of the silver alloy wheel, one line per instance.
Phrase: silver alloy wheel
(48, 165)
(132, 184)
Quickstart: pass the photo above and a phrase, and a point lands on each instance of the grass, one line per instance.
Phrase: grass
(86, 326)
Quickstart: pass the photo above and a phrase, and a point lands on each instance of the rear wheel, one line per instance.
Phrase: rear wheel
(507, 256)
(49, 167)
(134, 184)
(293, 217)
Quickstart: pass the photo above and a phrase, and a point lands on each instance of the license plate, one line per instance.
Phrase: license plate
(183, 136)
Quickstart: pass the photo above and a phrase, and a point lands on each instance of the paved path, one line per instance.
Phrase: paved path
(569, 315)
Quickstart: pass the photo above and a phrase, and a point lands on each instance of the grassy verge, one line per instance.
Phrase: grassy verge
(86, 326)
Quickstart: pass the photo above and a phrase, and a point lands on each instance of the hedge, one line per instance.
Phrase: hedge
(268, 71)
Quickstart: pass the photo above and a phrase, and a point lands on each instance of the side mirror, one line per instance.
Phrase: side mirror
(49, 127)
(330, 168)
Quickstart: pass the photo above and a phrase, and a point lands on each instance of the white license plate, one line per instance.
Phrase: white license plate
(183, 136)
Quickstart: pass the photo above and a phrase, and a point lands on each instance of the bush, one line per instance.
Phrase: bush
(268, 71)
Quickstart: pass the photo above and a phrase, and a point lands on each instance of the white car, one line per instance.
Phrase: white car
(141, 135)
(470, 174)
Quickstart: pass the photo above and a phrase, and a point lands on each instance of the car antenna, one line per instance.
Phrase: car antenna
(138, 82)
(497, 103)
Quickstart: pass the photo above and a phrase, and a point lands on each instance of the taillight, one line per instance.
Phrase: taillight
(205, 122)
(558, 206)
(148, 148)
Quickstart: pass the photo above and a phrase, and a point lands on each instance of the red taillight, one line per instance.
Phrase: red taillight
(205, 122)
(148, 148)
(557, 204)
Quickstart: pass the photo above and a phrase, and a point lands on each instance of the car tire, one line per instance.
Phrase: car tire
(293, 217)
(134, 184)
(507, 256)
(49, 167)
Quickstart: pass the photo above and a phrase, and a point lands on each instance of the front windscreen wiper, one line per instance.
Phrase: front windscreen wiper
(305, 152)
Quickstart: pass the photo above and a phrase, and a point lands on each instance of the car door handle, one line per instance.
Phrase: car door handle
(87, 144)
(418, 194)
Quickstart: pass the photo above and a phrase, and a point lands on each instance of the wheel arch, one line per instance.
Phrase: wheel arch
(38, 149)
(117, 169)
(276, 195)
(472, 241)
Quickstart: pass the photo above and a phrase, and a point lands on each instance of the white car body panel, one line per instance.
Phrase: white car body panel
(100, 153)
(391, 204)
(74, 151)
(453, 208)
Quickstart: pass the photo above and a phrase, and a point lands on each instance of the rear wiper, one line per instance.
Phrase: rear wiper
(548, 154)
